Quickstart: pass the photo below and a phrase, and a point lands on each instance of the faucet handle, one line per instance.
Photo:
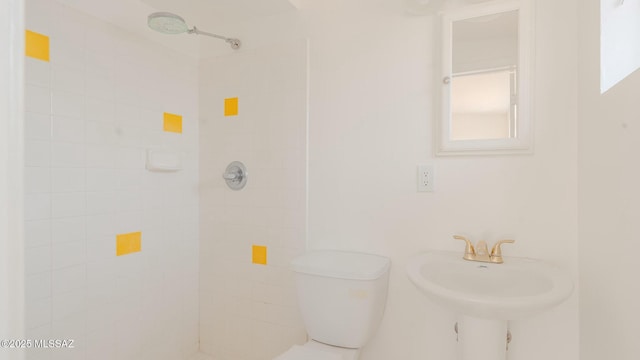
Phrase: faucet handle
(496, 251)
(469, 251)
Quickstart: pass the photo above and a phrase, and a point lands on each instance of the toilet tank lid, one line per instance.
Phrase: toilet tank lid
(341, 264)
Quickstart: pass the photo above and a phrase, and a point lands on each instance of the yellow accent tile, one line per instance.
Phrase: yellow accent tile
(259, 254)
(36, 45)
(128, 243)
(231, 106)
(173, 123)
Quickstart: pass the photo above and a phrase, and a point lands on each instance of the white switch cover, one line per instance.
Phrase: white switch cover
(425, 178)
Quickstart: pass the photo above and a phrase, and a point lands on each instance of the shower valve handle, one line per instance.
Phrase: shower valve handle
(235, 175)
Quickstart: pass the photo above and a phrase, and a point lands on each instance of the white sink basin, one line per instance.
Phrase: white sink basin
(517, 288)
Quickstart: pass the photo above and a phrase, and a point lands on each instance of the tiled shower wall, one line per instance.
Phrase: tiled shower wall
(248, 307)
(92, 111)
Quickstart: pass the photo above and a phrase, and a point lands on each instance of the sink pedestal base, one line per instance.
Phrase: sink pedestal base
(482, 339)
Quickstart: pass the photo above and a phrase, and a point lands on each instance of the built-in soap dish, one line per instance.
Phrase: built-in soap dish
(162, 160)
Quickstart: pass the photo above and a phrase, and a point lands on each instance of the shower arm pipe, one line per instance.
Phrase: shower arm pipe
(235, 43)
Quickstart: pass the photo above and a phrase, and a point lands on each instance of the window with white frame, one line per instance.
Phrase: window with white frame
(619, 41)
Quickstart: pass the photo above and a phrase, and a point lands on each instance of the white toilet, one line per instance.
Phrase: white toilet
(342, 296)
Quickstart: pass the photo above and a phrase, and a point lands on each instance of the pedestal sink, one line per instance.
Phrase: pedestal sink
(486, 296)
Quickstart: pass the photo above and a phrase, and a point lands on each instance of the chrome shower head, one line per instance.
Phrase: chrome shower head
(169, 23)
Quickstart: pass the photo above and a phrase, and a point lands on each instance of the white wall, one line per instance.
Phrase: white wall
(371, 70)
(370, 122)
(609, 144)
(11, 164)
(249, 311)
(91, 112)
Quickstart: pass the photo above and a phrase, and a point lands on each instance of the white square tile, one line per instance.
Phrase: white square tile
(152, 200)
(153, 138)
(38, 286)
(69, 29)
(68, 230)
(68, 279)
(129, 268)
(41, 332)
(37, 72)
(129, 336)
(130, 179)
(100, 156)
(154, 243)
(67, 154)
(99, 57)
(130, 115)
(68, 129)
(37, 153)
(130, 158)
(37, 312)
(37, 233)
(101, 343)
(37, 126)
(127, 222)
(101, 315)
(100, 110)
(67, 79)
(131, 136)
(37, 259)
(68, 204)
(101, 179)
(66, 52)
(100, 226)
(100, 133)
(37, 206)
(128, 202)
(67, 179)
(151, 119)
(293, 238)
(65, 305)
(267, 339)
(37, 99)
(101, 248)
(103, 269)
(130, 93)
(39, 18)
(101, 203)
(71, 327)
(67, 104)
(68, 254)
(37, 180)
(175, 141)
(101, 86)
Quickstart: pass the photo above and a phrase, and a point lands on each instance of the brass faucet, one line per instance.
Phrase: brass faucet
(480, 251)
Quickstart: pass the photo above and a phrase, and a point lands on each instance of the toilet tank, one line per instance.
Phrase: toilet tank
(341, 295)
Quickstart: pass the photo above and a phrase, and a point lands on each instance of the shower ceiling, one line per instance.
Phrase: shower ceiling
(218, 16)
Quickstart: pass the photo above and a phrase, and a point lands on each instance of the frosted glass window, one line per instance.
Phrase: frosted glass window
(619, 41)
